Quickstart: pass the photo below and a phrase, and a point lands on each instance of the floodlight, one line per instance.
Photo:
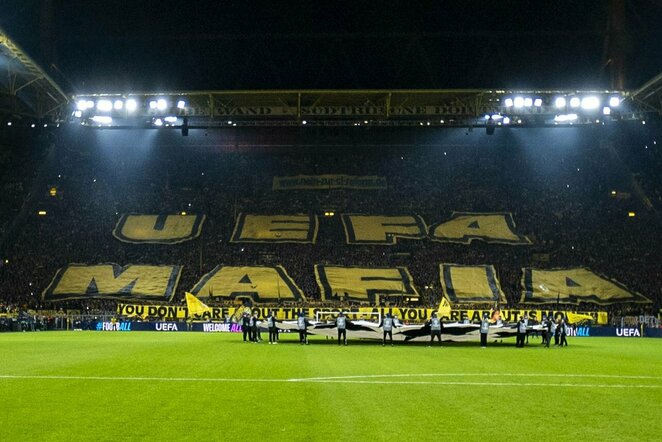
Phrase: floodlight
(152, 104)
(606, 110)
(161, 104)
(158, 122)
(519, 101)
(614, 101)
(528, 102)
(102, 119)
(131, 105)
(90, 104)
(575, 102)
(181, 104)
(104, 105)
(537, 102)
(506, 120)
(81, 105)
(560, 102)
(508, 102)
(118, 105)
(563, 118)
(78, 114)
(590, 103)
(170, 119)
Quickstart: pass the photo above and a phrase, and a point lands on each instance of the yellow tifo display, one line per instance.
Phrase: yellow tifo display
(158, 229)
(572, 286)
(376, 229)
(464, 227)
(363, 284)
(113, 281)
(298, 228)
(470, 284)
(260, 284)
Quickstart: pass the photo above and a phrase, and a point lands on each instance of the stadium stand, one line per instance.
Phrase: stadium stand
(568, 189)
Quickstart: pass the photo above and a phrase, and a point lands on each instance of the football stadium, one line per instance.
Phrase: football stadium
(274, 221)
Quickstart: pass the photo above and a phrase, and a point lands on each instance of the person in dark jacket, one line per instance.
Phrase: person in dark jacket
(436, 326)
(246, 327)
(521, 332)
(341, 325)
(545, 325)
(563, 333)
(302, 326)
(484, 330)
(387, 325)
(255, 332)
(273, 328)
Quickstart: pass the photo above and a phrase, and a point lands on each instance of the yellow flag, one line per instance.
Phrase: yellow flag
(444, 307)
(195, 306)
(578, 318)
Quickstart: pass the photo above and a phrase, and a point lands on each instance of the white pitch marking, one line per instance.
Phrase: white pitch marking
(417, 375)
(362, 380)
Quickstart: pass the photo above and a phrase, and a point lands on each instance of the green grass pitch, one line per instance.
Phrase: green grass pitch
(197, 386)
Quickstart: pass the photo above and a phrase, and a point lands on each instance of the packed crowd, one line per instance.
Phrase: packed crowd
(557, 183)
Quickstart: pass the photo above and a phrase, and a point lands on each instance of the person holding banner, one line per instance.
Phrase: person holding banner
(521, 332)
(545, 327)
(557, 332)
(302, 325)
(341, 324)
(484, 330)
(552, 330)
(387, 325)
(273, 328)
(435, 325)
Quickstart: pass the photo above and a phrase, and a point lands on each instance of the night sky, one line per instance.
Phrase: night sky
(124, 46)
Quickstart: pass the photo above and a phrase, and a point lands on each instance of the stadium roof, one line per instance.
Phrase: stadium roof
(25, 89)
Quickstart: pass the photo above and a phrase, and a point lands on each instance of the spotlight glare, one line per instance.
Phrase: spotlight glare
(508, 102)
(161, 104)
(614, 101)
(590, 103)
(181, 104)
(528, 102)
(537, 102)
(152, 104)
(565, 118)
(102, 119)
(118, 105)
(518, 102)
(575, 102)
(560, 102)
(81, 105)
(606, 110)
(131, 105)
(104, 105)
